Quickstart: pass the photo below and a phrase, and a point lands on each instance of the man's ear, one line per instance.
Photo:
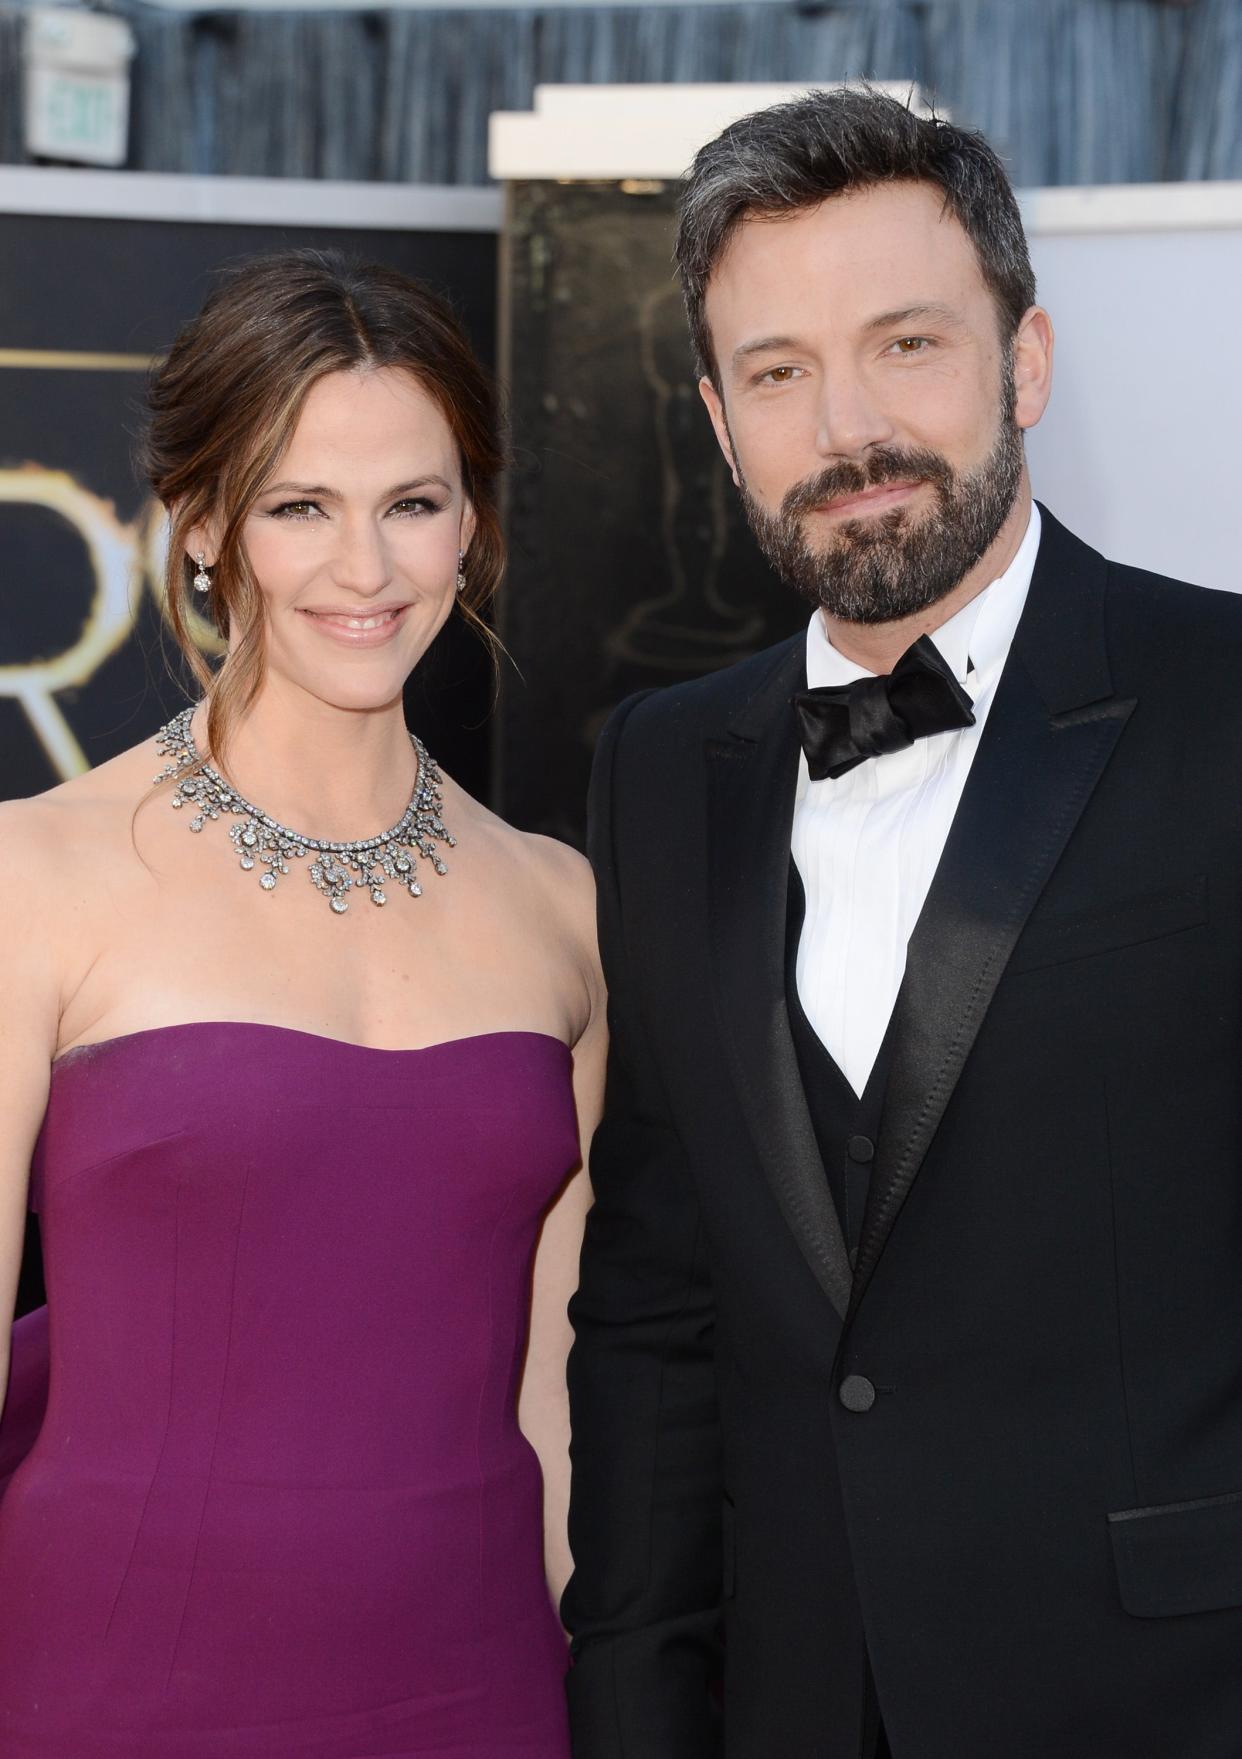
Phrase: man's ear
(716, 409)
(1032, 366)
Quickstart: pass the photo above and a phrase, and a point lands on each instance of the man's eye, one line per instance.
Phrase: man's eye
(908, 345)
(779, 375)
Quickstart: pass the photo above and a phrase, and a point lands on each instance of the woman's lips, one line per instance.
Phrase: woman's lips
(876, 500)
(359, 628)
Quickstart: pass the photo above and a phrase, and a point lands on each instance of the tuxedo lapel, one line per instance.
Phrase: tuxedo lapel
(752, 780)
(1048, 737)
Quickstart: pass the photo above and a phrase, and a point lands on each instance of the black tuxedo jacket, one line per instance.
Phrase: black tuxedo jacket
(1034, 1534)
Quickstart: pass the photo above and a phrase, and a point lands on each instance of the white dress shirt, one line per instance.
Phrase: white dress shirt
(868, 844)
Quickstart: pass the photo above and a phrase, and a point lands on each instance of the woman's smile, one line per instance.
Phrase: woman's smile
(358, 628)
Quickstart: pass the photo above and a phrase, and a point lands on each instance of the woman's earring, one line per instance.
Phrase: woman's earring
(202, 580)
(461, 570)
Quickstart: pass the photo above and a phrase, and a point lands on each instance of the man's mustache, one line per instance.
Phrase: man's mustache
(885, 465)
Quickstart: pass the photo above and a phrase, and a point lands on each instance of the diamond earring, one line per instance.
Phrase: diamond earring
(202, 580)
(461, 570)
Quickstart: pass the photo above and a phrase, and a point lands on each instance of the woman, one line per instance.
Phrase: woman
(292, 1107)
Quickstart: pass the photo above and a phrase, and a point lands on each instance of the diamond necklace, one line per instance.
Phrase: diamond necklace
(335, 868)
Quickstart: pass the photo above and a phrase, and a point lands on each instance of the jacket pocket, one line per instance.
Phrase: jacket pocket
(1123, 922)
(1179, 1557)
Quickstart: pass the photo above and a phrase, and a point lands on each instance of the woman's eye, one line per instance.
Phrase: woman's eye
(295, 510)
(415, 507)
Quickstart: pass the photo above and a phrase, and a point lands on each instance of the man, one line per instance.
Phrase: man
(908, 1377)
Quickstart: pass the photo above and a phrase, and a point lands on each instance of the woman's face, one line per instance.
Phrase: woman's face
(354, 542)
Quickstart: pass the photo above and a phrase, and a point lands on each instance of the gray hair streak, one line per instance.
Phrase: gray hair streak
(793, 156)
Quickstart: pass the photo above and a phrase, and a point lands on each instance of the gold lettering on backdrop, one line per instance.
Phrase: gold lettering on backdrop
(124, 559)
(109, 619)
(75, 360)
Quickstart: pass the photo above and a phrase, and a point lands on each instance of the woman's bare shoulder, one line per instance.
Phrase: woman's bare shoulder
(549, 864)
(565, 871)
(552, 879)
(84, 814)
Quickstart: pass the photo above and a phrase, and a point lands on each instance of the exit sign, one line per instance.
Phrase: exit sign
(77, 85)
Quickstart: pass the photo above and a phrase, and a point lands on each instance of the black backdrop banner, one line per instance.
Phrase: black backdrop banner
(631, 562)
(87, 665)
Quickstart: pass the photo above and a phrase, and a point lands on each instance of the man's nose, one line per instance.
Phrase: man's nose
(849, 418)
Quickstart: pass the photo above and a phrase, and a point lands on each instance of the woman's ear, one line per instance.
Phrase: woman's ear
(198, 542)
(202, 539)
(469, 524)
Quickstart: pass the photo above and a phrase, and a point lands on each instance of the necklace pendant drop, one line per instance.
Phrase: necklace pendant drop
(334, 869)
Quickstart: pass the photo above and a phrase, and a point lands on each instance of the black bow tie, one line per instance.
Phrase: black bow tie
(842, 725)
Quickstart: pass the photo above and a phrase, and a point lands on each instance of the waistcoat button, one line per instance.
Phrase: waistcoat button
(860, 1148)
(856, 1393)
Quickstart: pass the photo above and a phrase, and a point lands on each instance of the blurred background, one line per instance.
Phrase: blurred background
(525, 160)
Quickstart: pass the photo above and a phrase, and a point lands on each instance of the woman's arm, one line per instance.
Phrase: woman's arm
(543, 1404)
(29, 1016)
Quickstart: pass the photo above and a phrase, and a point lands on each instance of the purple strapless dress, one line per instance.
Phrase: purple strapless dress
(279, 1503)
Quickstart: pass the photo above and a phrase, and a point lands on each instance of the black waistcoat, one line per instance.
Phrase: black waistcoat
(846, 1126)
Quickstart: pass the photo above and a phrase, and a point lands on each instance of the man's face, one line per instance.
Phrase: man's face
(871, 410)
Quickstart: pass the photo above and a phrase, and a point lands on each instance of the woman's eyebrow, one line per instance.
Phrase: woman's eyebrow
(320, 492)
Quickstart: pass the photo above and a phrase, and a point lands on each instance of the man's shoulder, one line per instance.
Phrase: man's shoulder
(1139, 595)
(1144, 592)
(1170, 625)
(1153, 620)
(705, 705)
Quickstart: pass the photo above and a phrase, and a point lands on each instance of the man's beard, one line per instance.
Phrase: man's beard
(892, 565)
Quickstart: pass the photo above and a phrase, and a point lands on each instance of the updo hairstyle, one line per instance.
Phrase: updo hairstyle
(224, 405)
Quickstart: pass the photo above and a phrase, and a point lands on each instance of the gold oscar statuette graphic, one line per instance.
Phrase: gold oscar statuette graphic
(123, 559)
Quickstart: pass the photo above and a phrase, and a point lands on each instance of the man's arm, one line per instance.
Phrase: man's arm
(643, 1605)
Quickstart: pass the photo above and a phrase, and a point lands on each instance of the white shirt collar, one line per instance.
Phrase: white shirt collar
(975, 641)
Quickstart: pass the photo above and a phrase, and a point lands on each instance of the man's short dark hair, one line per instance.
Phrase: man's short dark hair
(792, 156)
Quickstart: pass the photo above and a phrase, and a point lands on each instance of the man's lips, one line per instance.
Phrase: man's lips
(876, 500)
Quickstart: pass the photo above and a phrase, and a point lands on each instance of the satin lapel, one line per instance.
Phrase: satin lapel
(1050, 733)
(752, 778)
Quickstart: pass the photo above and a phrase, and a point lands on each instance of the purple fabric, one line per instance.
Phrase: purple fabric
(26, 1399)
(279, 1503)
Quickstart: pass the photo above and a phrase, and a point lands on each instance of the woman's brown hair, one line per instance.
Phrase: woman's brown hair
(224, 405)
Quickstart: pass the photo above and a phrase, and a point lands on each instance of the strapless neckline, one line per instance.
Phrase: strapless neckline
(280, 1501)
(84, 1054)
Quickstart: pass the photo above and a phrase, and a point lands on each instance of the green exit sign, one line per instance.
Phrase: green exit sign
(77, 85)
(81, 113)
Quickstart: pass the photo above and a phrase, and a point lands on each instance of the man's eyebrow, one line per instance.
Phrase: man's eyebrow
(763, 345)
(906, 314)
(939, 314)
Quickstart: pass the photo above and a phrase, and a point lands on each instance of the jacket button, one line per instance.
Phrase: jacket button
(861, 1149)
(856, 1393)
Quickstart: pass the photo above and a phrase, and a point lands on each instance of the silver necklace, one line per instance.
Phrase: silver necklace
(336, 869)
